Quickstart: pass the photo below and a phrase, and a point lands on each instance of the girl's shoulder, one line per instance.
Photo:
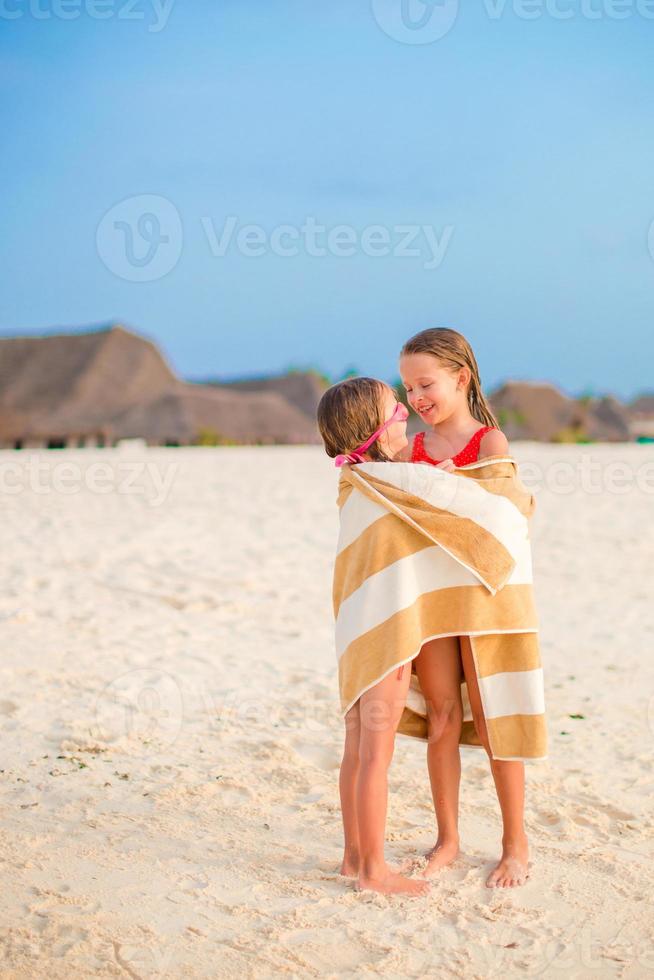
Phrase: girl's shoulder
(493, 442)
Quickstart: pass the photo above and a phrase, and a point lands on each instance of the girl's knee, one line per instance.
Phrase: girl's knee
(445, 721)
(377, 752)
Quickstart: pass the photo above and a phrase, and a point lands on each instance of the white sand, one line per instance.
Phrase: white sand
(171, 738)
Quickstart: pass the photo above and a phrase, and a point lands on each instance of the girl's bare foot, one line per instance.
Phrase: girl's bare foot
(392, 883)
(442, 854)
(512, 868)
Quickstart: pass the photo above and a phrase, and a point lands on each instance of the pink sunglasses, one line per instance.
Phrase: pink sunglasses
(399, 415)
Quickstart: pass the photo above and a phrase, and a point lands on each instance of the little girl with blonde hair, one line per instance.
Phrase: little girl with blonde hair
(442, 382)
(361, 420)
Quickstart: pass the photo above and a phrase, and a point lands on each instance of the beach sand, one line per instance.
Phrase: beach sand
(171, 736)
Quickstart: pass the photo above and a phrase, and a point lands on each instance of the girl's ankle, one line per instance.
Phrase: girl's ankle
(516, 837)
(373, 870)
(448, 837)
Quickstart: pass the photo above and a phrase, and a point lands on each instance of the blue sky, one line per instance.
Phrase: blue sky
(524, 146)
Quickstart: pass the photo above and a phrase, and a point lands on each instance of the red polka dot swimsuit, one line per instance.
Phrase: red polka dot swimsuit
(469, 453)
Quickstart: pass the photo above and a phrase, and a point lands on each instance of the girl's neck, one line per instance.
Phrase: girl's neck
(459, 423)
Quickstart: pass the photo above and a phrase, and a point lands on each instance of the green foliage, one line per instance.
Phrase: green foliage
(572, 434)
(400, 391)
(210, 437)
(507, 416)
(323, 378)
(586, 396)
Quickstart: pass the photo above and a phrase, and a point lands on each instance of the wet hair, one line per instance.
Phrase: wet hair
(348, 414)
(454, 351)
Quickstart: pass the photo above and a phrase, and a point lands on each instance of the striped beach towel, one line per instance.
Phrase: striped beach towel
(423, 553)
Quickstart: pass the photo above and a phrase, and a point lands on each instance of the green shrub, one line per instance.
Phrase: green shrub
(211, 437)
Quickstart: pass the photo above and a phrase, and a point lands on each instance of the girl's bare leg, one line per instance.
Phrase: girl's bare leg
(439, 671)
(509, 777)
(380, 712)
(347, 784)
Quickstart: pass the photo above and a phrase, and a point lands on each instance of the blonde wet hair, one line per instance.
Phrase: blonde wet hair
(454, 351)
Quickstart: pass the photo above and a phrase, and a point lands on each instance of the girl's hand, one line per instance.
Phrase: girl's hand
(446, 464)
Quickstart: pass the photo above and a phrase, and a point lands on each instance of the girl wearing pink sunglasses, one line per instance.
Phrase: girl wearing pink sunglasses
(361, 420)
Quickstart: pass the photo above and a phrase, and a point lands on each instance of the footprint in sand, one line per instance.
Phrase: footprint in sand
(614, 813)
(581, 820)
(548, 818)
(604, 813)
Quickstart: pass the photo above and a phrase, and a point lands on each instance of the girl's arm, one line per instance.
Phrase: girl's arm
(493, 443)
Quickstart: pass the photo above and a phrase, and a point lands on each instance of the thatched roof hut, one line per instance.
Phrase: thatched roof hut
(109, 384)
(540, 411)
(534, 410)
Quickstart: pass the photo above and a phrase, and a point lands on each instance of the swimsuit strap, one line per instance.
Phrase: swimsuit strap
(418, 448)
(470, 452)
(477, 437)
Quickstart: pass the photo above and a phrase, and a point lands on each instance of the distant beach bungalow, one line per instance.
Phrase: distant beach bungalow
(98, 387)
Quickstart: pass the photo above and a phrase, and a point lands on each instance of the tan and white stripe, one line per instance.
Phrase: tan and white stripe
(422, 554)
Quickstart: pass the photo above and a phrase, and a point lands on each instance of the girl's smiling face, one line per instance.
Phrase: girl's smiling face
(431, 387)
